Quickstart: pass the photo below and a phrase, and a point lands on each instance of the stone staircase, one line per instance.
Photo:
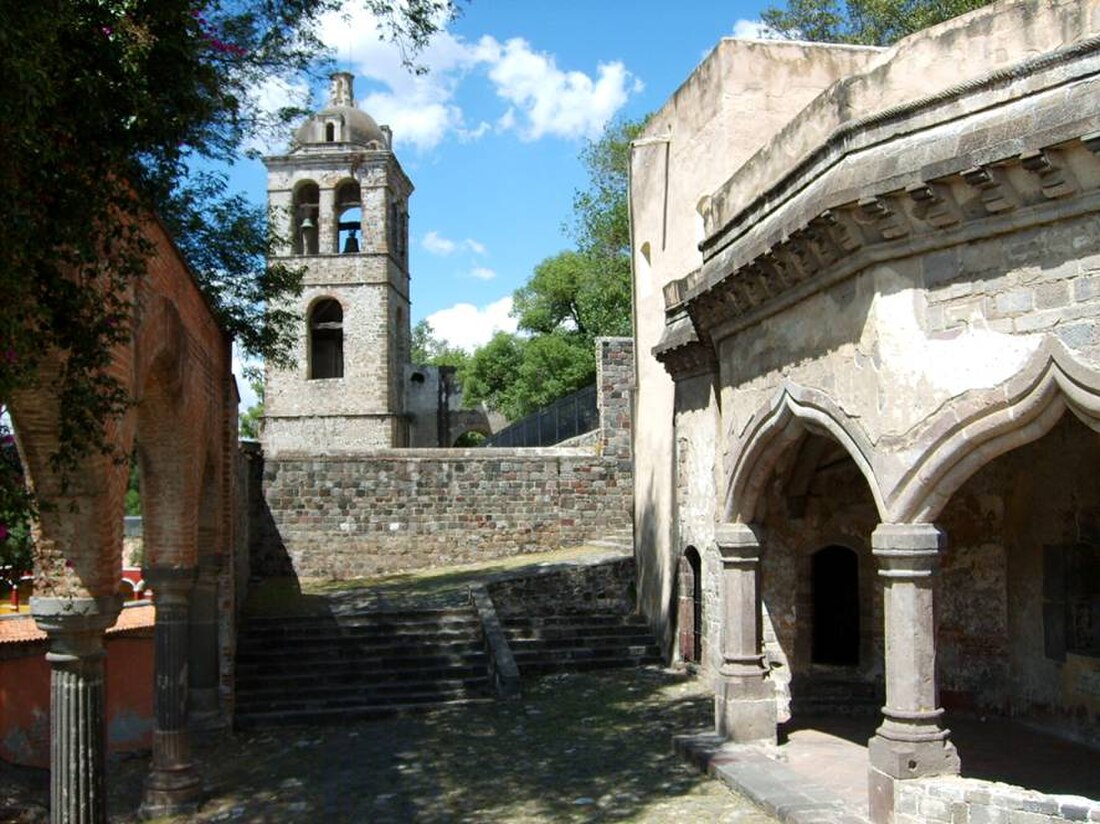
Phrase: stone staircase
(314, 669)
(835, 694)
(573, 641)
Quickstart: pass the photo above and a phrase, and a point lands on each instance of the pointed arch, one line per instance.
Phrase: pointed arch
(793, 412)
(969, 432)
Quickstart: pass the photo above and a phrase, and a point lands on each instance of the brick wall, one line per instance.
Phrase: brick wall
(609, 585)
(360, 513)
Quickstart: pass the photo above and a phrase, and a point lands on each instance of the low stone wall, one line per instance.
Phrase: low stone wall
(346, 514)
(342, 516)
(935, 800)
(608, 585)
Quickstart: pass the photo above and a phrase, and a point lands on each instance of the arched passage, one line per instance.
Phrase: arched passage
(690, 606)
(834, 577)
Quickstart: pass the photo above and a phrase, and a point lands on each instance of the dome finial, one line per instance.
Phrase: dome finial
(341, 90)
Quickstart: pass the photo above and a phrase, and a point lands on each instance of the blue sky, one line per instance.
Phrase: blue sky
(491, 134)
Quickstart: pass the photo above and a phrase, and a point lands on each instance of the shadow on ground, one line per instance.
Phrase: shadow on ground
(592, 747)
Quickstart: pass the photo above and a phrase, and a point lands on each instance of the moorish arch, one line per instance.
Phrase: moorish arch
(793, 413)
(973, 429)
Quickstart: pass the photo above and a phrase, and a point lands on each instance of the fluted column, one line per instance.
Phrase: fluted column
(744, 705)
(172, 786)
(74, 628)
(910, 743)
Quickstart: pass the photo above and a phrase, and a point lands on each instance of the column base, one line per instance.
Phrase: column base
(744, 709)
(892, 761)
(171, 792)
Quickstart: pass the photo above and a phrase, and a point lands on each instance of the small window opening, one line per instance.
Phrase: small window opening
(330, 132)
(417, 377)
(326, 349)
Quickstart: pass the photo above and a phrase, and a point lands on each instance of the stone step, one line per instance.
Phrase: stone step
(532, 668)
(339, 629)
(397, 694)
(581, 641)
(367, 669)
(276, 688)
(337, 715)
(577, 631)
(352, 649)
(566, 619)
(581, 653)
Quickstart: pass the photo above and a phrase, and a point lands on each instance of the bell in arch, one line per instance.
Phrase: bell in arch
(351, 244)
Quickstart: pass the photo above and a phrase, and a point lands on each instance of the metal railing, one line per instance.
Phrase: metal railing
(565, 418)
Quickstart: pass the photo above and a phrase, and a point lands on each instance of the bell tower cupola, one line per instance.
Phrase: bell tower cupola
(339, 200)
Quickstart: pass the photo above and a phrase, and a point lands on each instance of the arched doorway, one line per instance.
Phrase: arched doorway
(835, 591)
(691, 606)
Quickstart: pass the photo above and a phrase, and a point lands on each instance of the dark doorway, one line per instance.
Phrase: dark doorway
(835, 579)
(691, 606)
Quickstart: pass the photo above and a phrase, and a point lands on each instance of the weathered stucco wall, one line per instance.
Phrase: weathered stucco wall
(738, 97)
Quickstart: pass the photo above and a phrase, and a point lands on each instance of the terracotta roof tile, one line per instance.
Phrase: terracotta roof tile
(18, 629)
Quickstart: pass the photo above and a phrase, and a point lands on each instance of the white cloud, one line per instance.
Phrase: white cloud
(422, 110)
(555, 102)
(482, 273)
(466, 326)
(754, 30)
(437, 244)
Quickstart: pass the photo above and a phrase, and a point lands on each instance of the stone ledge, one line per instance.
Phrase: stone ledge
(751, 772)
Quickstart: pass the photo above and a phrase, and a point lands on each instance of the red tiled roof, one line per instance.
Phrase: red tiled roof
(21, 629)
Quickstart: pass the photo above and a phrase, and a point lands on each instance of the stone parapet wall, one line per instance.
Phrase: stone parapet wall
(935, 800)
(343, 516)
(608, 585)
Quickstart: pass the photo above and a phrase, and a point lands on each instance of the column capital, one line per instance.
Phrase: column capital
(170, 584)
(907, 550)
(737, 543)
(75, 626)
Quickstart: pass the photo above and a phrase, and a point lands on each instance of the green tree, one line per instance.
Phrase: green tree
(490, 375)
(108, 108)
(430, 350)
(570, 299)
(862, 22)
(251, 418)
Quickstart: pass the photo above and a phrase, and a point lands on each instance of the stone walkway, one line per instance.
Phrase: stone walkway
(577, 748)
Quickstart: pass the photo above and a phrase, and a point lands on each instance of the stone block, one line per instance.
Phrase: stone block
(1079, 335)
(1014, 301)
(1052, 295)
(988, 815)
(1086, 288)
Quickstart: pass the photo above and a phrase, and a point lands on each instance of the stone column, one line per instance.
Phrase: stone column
(74, 627)
(910, 742)
(744, 705)
(172, 786)
(204, 708)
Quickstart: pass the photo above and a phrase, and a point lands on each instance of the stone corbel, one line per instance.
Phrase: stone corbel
(996, 193)
(1054, 178)
(934, 204)
(876, 211)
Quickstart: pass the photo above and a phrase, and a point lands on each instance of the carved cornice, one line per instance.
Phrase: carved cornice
(681, 351)
(1030, 188)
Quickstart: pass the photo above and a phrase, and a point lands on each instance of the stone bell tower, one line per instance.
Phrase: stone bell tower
(341, 199)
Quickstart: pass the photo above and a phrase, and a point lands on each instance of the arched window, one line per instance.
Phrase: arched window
(330, 132)
(326, 340)
(307, 199)
(349, 217)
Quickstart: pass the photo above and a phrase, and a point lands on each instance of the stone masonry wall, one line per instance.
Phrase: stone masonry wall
(603, 586)
(936, 800)
(360, 513)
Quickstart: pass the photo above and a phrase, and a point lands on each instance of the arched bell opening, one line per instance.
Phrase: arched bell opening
(349, 217)
(307, 202)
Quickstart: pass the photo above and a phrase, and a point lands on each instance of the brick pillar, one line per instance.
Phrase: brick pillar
(910, 742)
(74, 627)
(172, 786)
(744, 706)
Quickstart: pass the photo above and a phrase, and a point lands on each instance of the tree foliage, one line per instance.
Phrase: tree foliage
(570, 299)
(108, 107)
(862, 22)
(430, 350)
